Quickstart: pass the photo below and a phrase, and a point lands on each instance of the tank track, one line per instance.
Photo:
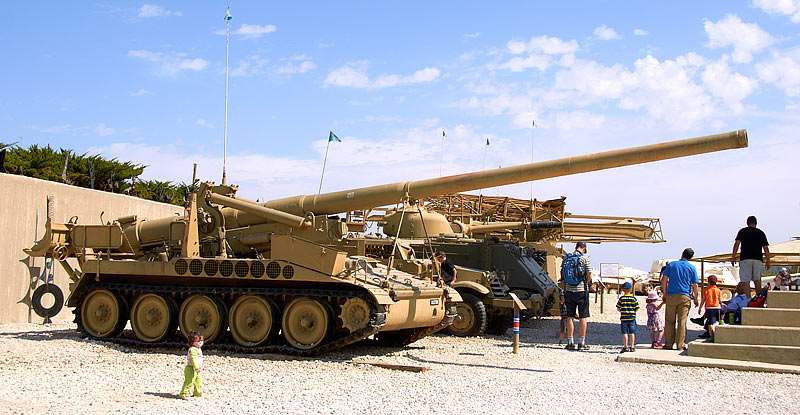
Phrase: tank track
(127, 338)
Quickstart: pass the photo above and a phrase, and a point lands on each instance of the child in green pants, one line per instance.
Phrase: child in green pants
(194, 364)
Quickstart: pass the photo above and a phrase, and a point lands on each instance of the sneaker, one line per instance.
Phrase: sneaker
(697, 320)
(582, 347)
(667, 347)
(570, 346)
(623, 350)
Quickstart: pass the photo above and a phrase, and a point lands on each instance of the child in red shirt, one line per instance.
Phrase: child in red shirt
(711, 301)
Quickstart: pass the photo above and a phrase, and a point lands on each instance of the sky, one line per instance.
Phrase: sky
(145, 82)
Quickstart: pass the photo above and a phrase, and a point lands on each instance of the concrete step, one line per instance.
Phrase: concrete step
(784, 355)
(783, 299)
(776, 317)
(758, 335)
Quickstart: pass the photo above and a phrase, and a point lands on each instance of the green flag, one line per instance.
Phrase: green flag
(487, 141)
(333, 137)
(228, 15)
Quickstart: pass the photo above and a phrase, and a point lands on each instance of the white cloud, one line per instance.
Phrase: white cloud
(669, 92)
(730, 88)
(782, 71)
(354, 75)
(140, 92)
(745, 38)
(785, 7)
(56, 129)
(543, 44)
(296, 64)
(251, 66)
(472, 35)
(254, 31)
(170, 64)
(203, 123)
(640, 32)
(103, 131)
(606, 33)
(150, 10)
(539, 52)
(519, 64)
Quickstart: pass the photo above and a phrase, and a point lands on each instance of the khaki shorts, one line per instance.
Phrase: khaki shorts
(749, 270)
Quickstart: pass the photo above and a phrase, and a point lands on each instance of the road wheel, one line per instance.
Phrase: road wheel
(153, 317)
(204, 314)
(726, 295)
(103, 314)
(306, 323)
(471, 318)
(252, 320)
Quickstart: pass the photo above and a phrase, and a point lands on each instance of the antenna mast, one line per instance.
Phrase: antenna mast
(228, 18)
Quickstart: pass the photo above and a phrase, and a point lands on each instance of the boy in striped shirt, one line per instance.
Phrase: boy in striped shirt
(627, 307)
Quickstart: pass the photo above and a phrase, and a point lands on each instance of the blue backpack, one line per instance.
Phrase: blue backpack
(571, 272)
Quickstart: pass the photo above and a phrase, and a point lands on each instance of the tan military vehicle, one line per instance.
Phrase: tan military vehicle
(271, 271)
(496, 258)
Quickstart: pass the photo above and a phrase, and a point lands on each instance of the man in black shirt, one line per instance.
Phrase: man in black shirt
(447, 270)
(752, 240)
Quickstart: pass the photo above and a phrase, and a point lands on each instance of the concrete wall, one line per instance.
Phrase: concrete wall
(23, 212)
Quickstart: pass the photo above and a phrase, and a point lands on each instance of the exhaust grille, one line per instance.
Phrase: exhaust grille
(181, 267)
(257, 269)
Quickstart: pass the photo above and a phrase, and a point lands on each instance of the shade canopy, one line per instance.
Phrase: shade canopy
(780, 254)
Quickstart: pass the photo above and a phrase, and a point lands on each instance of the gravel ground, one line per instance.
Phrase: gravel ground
(51, 369)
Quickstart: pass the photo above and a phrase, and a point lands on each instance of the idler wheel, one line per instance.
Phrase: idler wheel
(204, 314)
(153, 317)
(306, 323)
(355, 314)
(471, 319)
(103, 314)
(252, 320)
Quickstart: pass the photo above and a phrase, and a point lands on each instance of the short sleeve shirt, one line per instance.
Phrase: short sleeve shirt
(448, 271)
(711, 296)
(681, 275)
(752, 240)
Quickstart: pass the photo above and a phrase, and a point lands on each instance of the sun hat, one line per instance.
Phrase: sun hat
(627, 285)
(652, 295)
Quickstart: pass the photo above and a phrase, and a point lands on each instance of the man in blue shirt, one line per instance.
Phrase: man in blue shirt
(679, 285)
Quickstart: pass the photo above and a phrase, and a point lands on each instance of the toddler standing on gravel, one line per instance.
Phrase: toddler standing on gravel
(627, 307)
(194, 364)
(654, 321)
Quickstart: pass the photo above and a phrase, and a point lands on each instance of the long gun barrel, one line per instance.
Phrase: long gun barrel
(383, 195)
(500, 226)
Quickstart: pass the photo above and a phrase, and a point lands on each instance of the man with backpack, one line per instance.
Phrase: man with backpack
(575, 280)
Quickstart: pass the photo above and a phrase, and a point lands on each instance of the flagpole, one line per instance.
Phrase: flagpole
(225, 139)
(324, 162)
(533, 124)
(441, 154)
(483, 167)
